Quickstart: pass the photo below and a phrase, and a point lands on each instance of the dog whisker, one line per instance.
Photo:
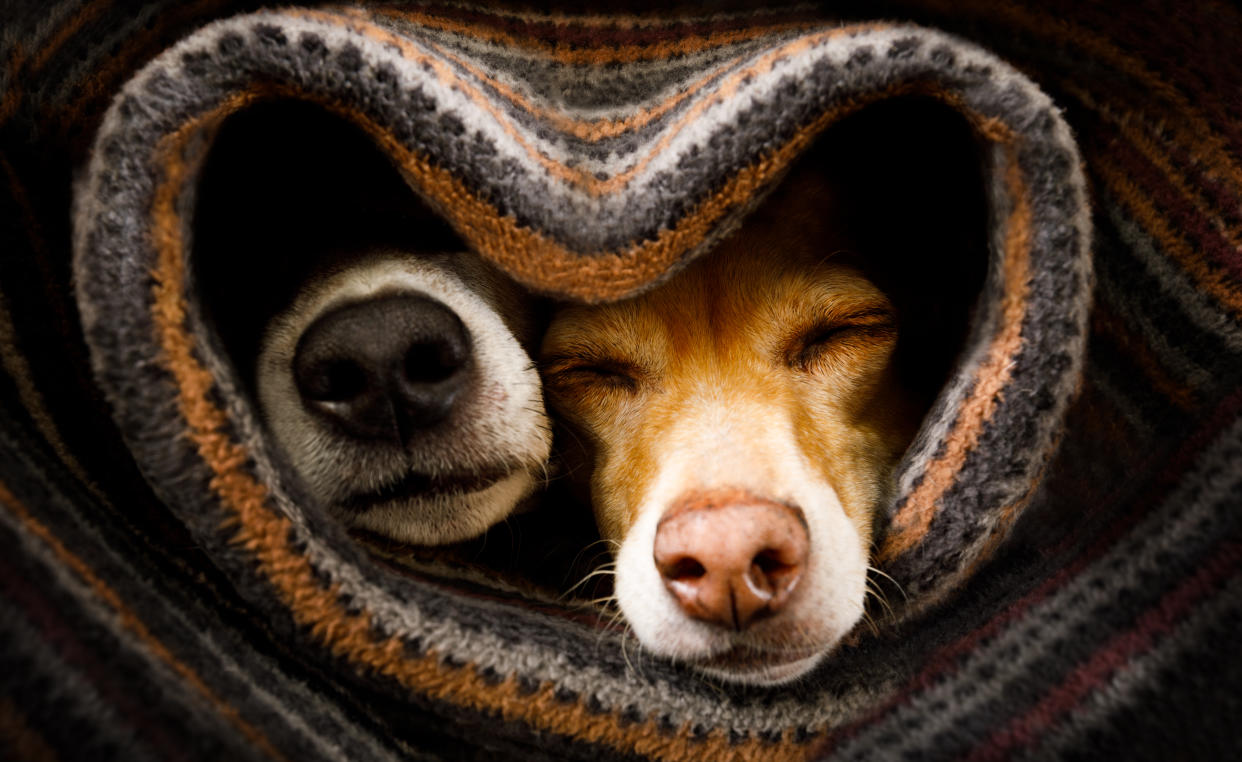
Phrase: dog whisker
(889, 577)
(871, 593)
(592, 575)
(717, 410)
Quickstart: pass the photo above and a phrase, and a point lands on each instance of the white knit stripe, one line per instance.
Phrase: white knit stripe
(545, 83)
(397, 615)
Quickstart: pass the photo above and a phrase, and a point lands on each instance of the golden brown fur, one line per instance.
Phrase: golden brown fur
(775, 348)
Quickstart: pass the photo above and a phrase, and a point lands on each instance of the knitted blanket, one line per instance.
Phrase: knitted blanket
(1065, 541)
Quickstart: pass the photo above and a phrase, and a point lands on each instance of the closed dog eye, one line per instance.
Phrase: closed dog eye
(602, 373)
(859, 332)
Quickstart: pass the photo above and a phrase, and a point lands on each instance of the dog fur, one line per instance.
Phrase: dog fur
(454, 480)
(762, 373)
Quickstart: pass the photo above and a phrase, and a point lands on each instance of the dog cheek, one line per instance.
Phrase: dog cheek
(618, 482)
(844, 457)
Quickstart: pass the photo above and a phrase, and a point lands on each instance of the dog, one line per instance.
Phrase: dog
(741, 424)
(399, 389)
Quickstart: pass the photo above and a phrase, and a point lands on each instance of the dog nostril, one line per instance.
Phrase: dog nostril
(683, 570)
(432, 362)
(337, 381)
(384, 368)
(731, 559)
(768, 563)
(770, 574)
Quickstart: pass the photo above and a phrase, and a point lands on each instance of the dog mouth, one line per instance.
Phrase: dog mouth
(415, 484)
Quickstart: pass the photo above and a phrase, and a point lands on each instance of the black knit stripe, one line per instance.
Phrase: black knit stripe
(644, 214)
(85, 637)
(1177, 678)
(1042, 374)
(1094, 606)
(997, 608)
(163, 88)
(178, 611)
(71, 705)
(1199, 359)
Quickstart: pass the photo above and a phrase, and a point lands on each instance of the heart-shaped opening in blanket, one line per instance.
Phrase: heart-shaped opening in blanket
(289, 191)
(265, 145)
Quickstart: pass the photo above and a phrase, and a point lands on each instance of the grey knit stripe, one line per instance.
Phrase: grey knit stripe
(81, 68)
(256, 680)
(553, 206)
(1138, 317)
(607, 93)
(652, 687)
(182, 701)
(461, 632)
(1195, 303)
(262, 681)
(963, 521)
(1123, 404)
(1199, 509)
(1142, 675)
(1154, 331)
(79, 702)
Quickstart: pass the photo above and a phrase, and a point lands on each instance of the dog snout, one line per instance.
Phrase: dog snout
(731, 559)
(384, 368)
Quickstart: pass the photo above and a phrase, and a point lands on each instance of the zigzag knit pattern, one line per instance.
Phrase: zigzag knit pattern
(1065, 529)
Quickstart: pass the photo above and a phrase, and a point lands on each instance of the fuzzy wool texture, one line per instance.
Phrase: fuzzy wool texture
(1065, 530)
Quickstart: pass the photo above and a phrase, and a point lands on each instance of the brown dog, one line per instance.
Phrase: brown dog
(743, 422)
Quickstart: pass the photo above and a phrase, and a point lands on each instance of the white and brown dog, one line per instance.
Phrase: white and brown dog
(743, 421)
(399, 388)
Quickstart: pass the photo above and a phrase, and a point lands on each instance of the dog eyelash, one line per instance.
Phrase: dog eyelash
(611, 373)
(878, 324)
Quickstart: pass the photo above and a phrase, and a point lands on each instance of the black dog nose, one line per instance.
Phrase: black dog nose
(385, 368)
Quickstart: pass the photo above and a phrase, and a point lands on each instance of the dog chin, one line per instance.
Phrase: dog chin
(446, 517)
(759, 668)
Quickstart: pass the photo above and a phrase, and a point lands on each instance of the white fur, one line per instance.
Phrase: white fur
(501, 425)
(720, 443)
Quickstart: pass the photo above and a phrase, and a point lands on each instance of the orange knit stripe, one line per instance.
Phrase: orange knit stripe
(911, 523)
(265, 534)
(591, 130)
(72, 26)
(14, 360)
(103, 82)
(19, 739)
(546, 265)
(724, 90)
(13, 97)
(1108, 323)
(1134, 201)
(1147, 147)
(133, 622)
(581, 178)
(596, 56)
(446, 74)
(1183, 119)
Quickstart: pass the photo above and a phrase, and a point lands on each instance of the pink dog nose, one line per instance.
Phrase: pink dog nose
(730, 558)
